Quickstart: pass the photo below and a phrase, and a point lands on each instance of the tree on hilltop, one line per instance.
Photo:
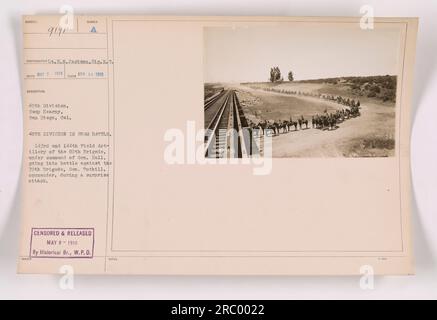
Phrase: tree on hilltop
(275, 74)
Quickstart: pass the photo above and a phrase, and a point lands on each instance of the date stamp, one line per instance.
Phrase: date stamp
(64, 243)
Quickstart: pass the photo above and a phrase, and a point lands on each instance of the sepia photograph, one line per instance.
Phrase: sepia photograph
(309, 174)
(316, 91)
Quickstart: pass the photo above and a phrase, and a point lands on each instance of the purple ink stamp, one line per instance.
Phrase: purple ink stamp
(64, 243)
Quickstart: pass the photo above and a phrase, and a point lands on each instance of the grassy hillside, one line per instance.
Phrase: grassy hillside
(376, 88)
(380, 87)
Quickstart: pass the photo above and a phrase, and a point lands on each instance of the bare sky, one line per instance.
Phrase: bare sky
(246, 54)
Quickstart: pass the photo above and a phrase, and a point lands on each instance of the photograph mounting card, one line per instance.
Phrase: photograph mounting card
(164, 145)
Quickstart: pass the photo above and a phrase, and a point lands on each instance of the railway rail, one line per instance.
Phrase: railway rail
(225, 123)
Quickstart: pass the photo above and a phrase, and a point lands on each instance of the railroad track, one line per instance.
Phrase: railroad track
(211, 100)
(223, 118)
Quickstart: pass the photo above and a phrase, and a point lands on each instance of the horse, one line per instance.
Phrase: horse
(355, 111)
(272, 127)
(332, 123)
(276, 126)
(291, 124)
(303, 121)
(325, 123)
(261, 125)
(256, 129)
(283, 125)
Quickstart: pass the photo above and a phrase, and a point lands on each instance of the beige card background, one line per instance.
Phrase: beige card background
(154, 218)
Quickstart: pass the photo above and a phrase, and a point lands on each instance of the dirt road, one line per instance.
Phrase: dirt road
(370, 135)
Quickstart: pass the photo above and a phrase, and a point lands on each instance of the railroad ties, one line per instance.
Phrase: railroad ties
(225, 123)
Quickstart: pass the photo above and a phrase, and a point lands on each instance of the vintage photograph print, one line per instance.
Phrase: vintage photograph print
(318, 90)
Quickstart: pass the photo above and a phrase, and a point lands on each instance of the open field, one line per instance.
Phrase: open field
(370, 135)
(271, 106)
(376, 88)
(210, 89)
